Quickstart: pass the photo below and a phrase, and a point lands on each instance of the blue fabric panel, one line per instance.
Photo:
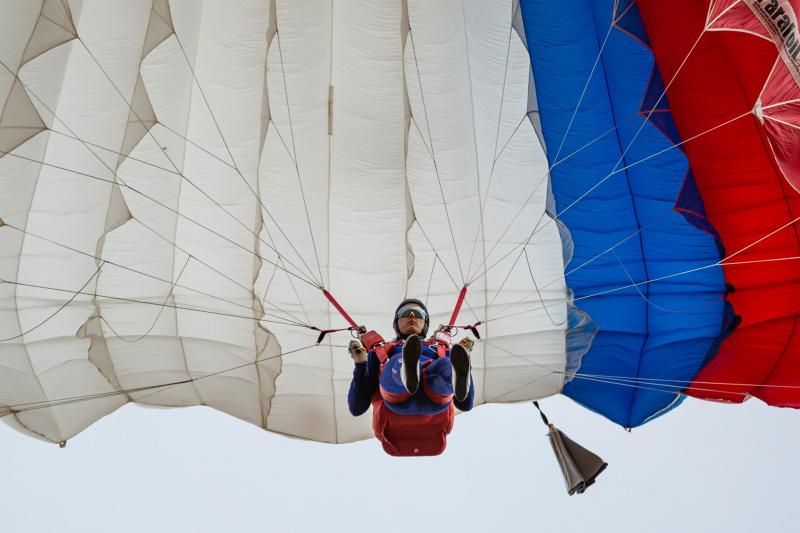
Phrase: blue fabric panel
(656, 108)
(661, 330)
(628, 20)
(438, 370)
(690, 204)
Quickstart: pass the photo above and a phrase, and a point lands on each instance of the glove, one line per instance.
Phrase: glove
(357, 351)
(467, 343)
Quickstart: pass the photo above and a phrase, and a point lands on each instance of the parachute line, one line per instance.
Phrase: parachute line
(289, 279)
(174, 211)
(135, 271)
(635, 163)
(614, 246)
(662, 278)
(668, 389)
(452, 278)
(296, 164)
(588, 81)
(248, 290)
(433, 158)
(149, 132)
(541, 298)
(563, 138)
(525, 386)
(544, 176)
(773, 119)
(278, 320)
(430, 279)
(684, 381)
(115, 152)
(57, 311)
(483, 199)
(117, 179)
(486, 197)
(550, 372)
(239, 172)
(589, 261)
(33, 406)
(615, 169)
(197, 145)
(653, 107)
(672, 386)
(769, 260)
(208, 106)
(158, 315)
(436, 254)
(650, 302)
(721, 262)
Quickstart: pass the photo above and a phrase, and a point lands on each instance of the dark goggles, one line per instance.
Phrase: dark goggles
(406, 310)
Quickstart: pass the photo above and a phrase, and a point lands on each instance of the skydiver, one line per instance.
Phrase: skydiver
(413, 384)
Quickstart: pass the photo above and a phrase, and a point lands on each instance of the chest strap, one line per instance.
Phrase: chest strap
(373, 342)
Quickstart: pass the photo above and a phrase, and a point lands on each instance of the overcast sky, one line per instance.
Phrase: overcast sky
(704, 467)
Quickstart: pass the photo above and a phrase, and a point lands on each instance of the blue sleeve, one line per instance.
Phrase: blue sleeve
(467, 403)
(364, 385)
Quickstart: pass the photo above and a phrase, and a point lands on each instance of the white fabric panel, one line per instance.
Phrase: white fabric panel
(471, 119)
(19, 383)
(71, 209)
(229, 70)
(16, 29)
(183, 294)
(229, 67)
(367, 208)
(145, 244)
(298, 79)
(363, 237)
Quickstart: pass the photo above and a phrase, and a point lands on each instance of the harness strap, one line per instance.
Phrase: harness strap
(459, 302)
(441, 349)
(452, 324)
(342, 312)
(362, 331)
(383, 349)
(370, 339)
(473, 328)
(323, 332)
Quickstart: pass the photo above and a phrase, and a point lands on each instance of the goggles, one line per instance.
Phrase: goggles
(406, 310)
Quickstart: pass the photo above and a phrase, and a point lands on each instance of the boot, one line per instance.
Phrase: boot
(459, 358)
(409, 371)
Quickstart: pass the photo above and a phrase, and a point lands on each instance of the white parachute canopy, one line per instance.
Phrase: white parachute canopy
(178, 181)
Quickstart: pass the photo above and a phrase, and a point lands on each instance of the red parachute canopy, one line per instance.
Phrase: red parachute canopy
(732, 72)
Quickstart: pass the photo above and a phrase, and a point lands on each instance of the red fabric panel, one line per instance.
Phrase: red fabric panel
(781, 109)
(435, 397)
(411, 435)
(745, 195)
(394, 397)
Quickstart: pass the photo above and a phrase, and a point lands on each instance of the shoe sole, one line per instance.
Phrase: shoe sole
(412, 349)
(459, 358)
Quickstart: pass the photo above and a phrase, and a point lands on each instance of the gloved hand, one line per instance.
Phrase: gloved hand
(357, 351)
(467, 343)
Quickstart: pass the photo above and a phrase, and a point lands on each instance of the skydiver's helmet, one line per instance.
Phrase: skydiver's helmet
(406, 306)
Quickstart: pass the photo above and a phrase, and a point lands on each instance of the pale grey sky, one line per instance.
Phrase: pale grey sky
(704, 467)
